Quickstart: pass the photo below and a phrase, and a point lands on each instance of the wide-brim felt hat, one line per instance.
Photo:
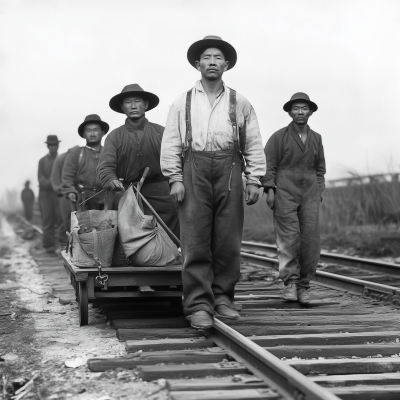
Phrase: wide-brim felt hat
(196, 48)
(52, 139)
(93, 119)
(134, 90)
(297, 98)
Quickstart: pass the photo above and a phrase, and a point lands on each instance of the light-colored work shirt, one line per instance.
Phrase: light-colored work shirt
(212, 130)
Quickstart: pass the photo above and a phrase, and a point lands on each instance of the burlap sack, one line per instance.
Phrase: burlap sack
(87, 249)
(144, 241)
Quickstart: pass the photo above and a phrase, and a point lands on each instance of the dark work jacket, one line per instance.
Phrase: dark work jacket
(80, 168)
(125, 157)
(292, 164)
(44, 172)
(27, 196)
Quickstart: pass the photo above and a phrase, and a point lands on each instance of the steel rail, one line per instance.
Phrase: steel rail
(332, 258)
(334, 281)
(29, 224)
(278, 375)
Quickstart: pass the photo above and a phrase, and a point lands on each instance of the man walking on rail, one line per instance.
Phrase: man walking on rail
(48, 199)
(27, 198)
(294, 182)
(79, 174)
(132, 147)
(211, 136)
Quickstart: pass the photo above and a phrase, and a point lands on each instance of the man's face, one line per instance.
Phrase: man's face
(93, 134)
(212, 64)
(300, 113)
(53, 148)
(134, 107)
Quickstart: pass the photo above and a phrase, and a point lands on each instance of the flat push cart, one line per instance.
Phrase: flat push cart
(99, 285)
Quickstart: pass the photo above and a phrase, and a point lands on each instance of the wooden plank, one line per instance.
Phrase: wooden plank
(163, 278)
(347, 366)
(239, 382)
(90, 287)
(289, 330)
(168, 344)
(176, 322)
(391, 392)
(391, 378)
(166, 312)
(243, 394)
(169, 357)
(281, 312)
(311, 320)
(152, 372)
(151, 334)
(257, 297)
(353, 350)
(325, 338)
(283, 304)
(125, 293)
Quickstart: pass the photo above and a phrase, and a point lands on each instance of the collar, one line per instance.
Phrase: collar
(292, 129)
(199, 86)
(91, 148)
(132, 128)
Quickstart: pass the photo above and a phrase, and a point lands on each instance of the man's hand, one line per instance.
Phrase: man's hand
(72, 197)
(271, 198)
(116, 185)
(252, 194)
(178, 191)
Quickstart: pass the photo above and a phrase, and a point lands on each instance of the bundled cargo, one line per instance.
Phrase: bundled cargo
(145, 242)
(92, 237)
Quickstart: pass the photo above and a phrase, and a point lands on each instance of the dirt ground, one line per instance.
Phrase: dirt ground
(41, 339)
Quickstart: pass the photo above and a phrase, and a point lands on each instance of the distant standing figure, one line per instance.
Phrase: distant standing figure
(65, 207)
(294, 182)
(28, 197)
(48, 199)
(79, 177)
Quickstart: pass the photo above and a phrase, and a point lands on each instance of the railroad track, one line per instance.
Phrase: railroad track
(344, 344)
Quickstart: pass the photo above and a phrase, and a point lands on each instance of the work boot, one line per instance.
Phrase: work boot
(201, 320)
(226, 312)
(290, 292)
(303, 295)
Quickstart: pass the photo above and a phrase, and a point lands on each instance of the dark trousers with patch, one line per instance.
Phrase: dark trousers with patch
(211, 221)
(296, 220)
(51, 217)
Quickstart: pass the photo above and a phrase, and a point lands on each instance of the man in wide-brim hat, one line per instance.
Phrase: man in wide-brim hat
(79, 174)
(132, 147)
(48, 199)
(294, 182)
(216, 130)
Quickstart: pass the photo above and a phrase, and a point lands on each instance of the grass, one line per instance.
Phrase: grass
(356, 217)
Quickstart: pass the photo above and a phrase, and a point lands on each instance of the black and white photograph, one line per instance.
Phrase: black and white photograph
(199, 200)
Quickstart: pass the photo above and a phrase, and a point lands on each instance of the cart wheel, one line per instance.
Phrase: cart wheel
(83, 304)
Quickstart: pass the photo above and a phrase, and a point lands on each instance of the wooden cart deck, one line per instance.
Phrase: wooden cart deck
(88, 290)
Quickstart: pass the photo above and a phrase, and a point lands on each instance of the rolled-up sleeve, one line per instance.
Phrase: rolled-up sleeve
(107, 168)
(171, 147)
(253, 150)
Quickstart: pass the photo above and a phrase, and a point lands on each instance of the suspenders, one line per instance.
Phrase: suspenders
(241, 138)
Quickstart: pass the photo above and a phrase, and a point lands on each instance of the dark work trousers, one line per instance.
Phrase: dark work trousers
(211, 220)
(65, 210)
(296, 220)
(28, 209)
(51, 217)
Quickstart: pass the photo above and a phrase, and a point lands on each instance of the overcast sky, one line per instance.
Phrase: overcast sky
(61, 60)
